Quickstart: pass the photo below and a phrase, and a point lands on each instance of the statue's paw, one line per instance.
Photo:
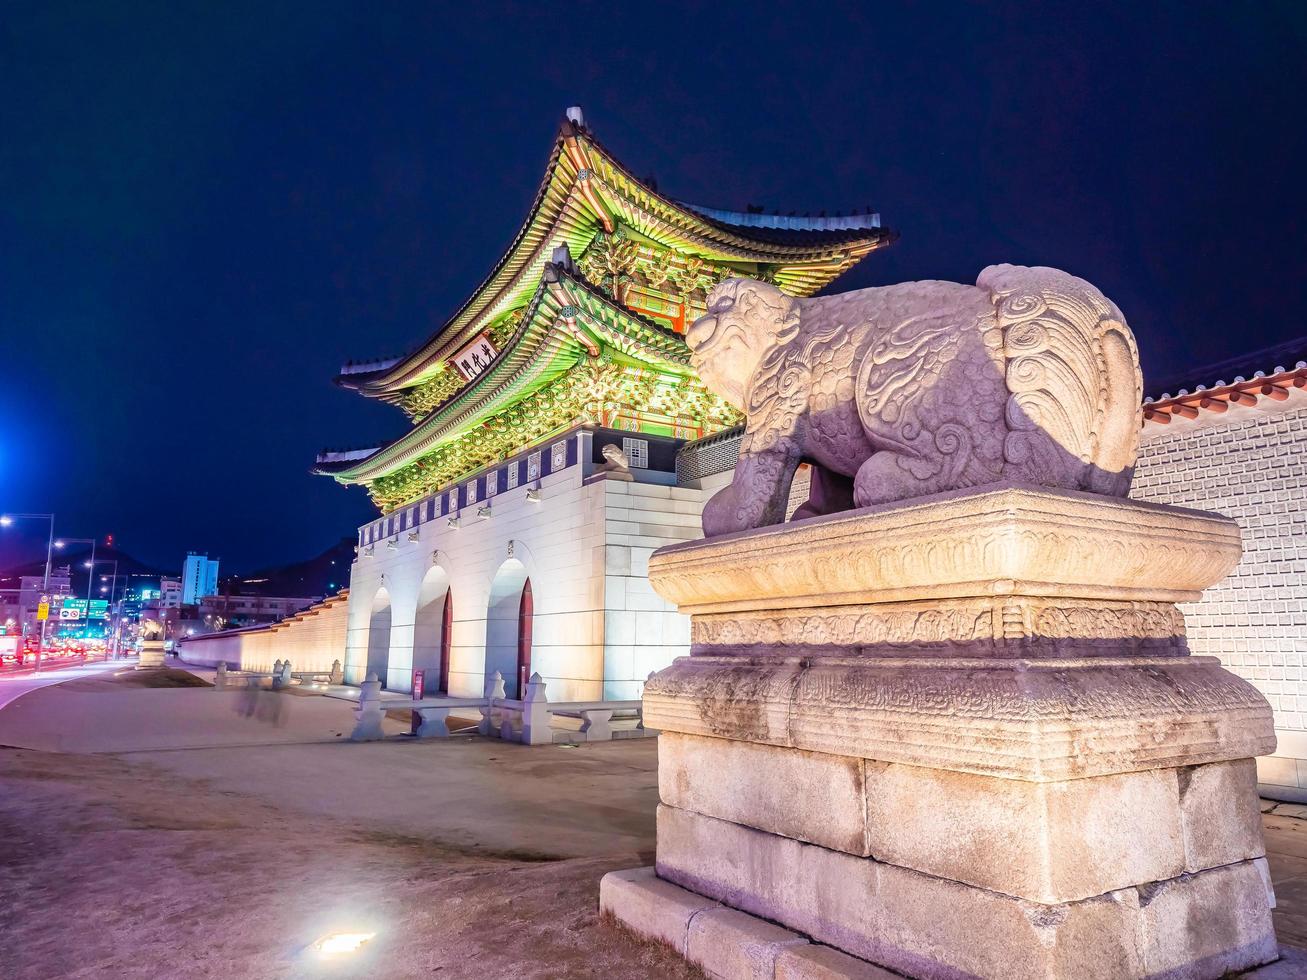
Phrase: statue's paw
(723, 514)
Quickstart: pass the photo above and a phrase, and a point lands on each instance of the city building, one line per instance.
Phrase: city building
(170, 591)
(219, 612)
(31, 588)
(199, 578)
(513, 538)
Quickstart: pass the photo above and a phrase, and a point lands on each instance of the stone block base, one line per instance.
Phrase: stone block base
(732, 945)
(1200, 925)
(152, 655)
(959, 737)
(724, 943)
(1050, 843)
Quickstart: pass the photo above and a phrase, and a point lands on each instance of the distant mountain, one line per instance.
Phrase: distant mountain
(323, 575)
(75, 558)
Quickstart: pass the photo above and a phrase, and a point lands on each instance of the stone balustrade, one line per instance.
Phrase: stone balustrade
(280, 676)
(530, 721)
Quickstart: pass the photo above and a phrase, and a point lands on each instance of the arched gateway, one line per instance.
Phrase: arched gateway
(379, 636)
(508, 626)
(431, 631)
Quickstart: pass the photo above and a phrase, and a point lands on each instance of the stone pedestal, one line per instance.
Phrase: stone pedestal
(961, 737)
(152, 655)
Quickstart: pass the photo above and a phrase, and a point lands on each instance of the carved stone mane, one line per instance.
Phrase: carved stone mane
(1030, 376)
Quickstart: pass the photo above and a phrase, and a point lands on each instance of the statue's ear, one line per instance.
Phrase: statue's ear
(778, 310)
(722, 296)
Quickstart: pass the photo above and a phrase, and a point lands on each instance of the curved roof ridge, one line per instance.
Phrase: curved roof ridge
(788, 222)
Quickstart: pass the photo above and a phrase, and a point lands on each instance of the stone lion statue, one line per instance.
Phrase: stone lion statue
(150, 629)
(1029, 376)
(616, 464)
(614, 458)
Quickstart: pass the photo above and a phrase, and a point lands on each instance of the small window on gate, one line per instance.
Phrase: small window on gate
(637, 451)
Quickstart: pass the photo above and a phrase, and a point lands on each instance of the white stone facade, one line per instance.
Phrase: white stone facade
(582, 541)
(1249, 463)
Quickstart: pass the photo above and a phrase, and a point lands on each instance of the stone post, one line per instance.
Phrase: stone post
(370, 712)
(220, 678)
(596, 724)
(337, 673)
(958, 736)
(536, 729)
(495, 691)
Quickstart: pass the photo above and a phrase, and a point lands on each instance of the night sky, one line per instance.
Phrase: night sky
(206, 208)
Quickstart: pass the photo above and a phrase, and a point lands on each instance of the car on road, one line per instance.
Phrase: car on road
(11, 651)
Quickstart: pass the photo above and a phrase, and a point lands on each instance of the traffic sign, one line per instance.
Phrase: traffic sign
(43, 611)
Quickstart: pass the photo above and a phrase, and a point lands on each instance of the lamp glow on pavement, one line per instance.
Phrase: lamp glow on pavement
(340, 943)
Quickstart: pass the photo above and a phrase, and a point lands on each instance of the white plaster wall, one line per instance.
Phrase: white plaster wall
(560, 541)
(1250, 464)
(310, 643)
(599, 628)
(642, 631)
(211, 650)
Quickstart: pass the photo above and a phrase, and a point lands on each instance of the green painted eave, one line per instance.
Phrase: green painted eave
(541, 351)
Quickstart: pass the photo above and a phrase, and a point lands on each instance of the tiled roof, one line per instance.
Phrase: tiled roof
(1274, 381)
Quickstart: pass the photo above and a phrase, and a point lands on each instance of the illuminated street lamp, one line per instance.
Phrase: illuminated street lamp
(114, 622)
(5, 521)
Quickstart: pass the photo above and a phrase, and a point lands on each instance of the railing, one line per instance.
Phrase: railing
(281, 676)
(529, 720)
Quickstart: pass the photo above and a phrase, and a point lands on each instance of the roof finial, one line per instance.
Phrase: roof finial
(576, 116)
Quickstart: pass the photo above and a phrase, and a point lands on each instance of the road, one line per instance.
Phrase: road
(15, 685)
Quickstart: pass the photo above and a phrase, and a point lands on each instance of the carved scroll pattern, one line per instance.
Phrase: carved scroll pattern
(1069, 354)
(1073, 626)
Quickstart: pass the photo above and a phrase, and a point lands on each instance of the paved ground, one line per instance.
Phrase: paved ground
(1286, 851)
(102, 714)
(468, 858)
(123, 855)
(14, 684)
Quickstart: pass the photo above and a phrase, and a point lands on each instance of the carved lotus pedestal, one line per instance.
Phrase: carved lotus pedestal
(961, 737)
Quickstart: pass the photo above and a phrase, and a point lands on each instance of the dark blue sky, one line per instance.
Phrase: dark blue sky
(206, 208)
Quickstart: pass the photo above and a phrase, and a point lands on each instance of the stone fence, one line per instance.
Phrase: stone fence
(280, 676)
(533, 720)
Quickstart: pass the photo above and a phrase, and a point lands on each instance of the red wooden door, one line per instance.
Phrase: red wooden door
(446, 637)
(525, 613)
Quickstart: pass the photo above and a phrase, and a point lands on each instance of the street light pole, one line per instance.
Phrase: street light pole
(112, 590)
(113, 626)
(90, 580)
(45, 590)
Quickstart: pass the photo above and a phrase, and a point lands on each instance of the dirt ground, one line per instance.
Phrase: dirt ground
(159, 832)
(164, 830)
(116, 868)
